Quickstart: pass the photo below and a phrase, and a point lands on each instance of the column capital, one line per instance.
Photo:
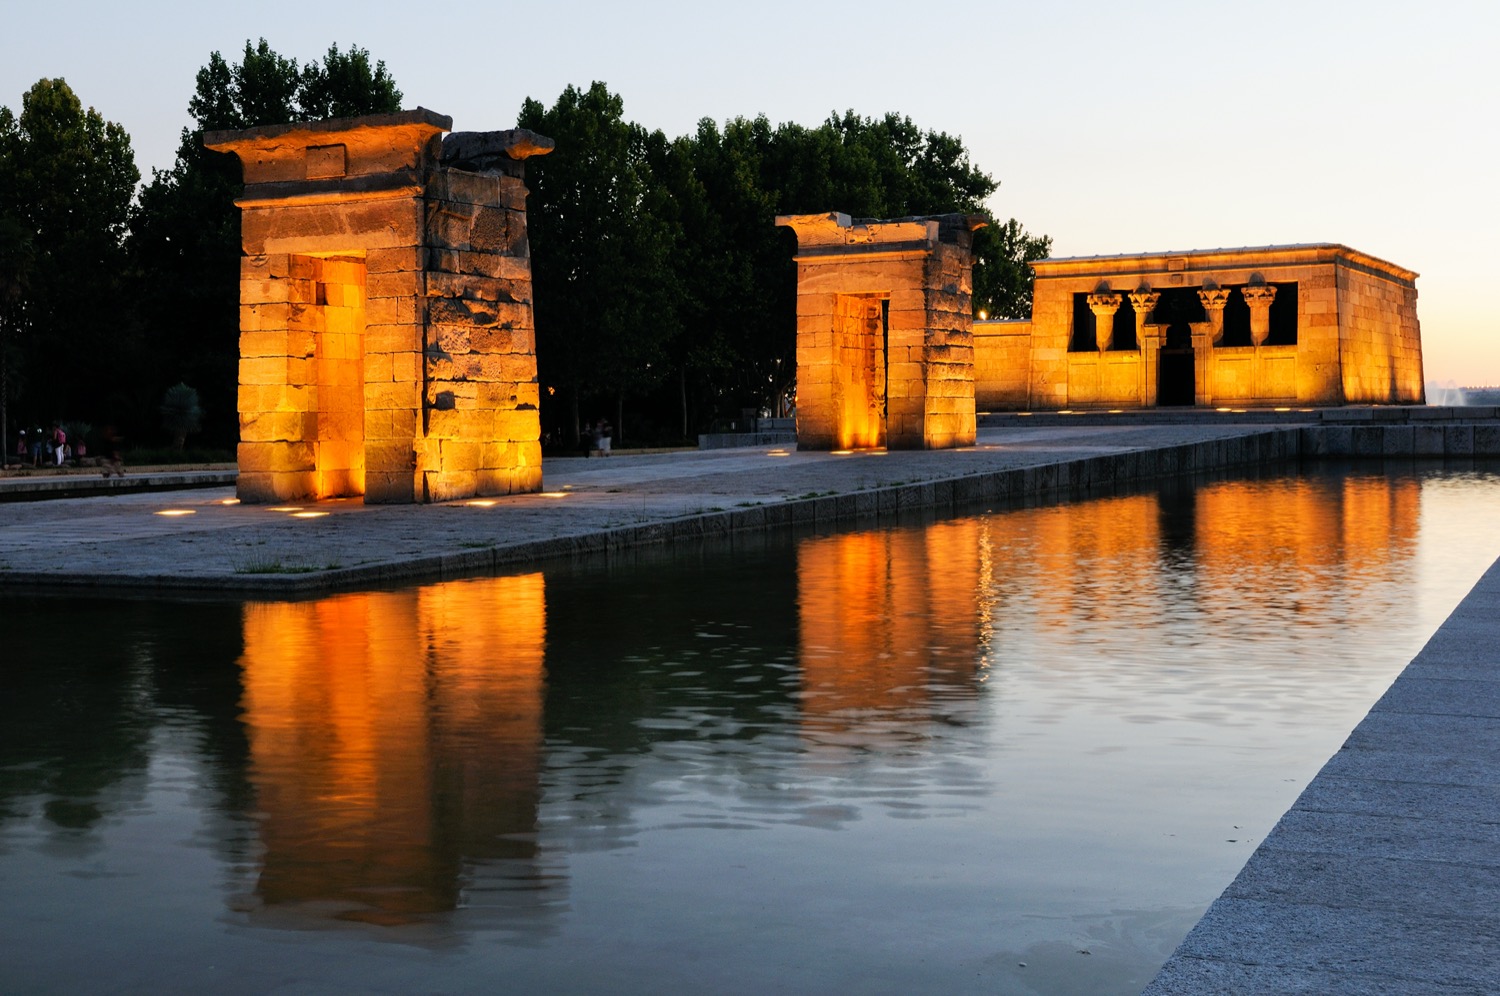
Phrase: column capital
(1104, 304)
(1214, 300)
(1262, 295)
(1144, 301)
(1104, 307)
(1259, 297)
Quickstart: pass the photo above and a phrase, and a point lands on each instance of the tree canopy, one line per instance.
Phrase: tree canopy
(67, 177)
(185, 230)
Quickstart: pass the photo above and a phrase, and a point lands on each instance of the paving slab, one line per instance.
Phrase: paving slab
(1384, 877)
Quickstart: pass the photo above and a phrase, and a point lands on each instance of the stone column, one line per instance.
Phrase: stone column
(1104, 307)
(1214, 300)
(1259, 298)
(1148, 341)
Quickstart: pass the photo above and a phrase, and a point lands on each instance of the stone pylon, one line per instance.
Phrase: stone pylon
(387, 346)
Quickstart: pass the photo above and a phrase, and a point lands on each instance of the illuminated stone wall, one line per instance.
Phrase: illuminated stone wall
(1002, 363)
(387, 347)
(1102, 334)
(885, 346)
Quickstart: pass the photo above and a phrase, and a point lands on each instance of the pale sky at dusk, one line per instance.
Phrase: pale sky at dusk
(1112, 127)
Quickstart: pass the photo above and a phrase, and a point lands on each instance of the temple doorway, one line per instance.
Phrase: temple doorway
(1174, 384)
(861, 337)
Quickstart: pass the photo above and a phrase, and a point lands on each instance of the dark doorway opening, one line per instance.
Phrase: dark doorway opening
(1174, 380)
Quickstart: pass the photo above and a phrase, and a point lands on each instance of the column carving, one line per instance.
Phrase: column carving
(1104, 307)
(1259, 298)
(1214, 300)
(1144, 302)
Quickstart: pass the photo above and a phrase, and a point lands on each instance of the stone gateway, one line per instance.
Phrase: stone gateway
(885, 346)
(387, 346)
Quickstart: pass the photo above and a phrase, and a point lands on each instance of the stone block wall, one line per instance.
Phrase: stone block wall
(1002, 363)
(482, 432)
(1379, 336)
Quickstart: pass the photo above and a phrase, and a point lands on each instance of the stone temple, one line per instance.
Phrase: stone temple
(387, 346)
(1294, 325)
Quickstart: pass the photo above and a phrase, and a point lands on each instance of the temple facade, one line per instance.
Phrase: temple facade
(1291, 325)
(387, 347)
(885, 348)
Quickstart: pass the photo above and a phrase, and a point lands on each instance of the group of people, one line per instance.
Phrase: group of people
(38, 445)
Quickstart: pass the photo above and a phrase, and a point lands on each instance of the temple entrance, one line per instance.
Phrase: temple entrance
(861, 334)
(1174, 383)
(1177, 308)
(336, 287)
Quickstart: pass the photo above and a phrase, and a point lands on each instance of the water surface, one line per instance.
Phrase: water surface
(1016, 751)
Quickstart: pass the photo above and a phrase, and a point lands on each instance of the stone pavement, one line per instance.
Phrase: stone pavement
(1384, 877)
(203, 539)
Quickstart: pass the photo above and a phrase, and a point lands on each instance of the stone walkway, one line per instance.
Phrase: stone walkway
(203, 539)
(1384, 877)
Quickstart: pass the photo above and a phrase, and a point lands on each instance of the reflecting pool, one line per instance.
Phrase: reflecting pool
(1014, 751)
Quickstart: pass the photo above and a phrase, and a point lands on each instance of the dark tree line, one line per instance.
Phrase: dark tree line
(665, 295)
(108, 295)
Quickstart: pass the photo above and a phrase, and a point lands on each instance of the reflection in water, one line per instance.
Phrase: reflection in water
(906, 759)
(889, 627)
(394, 743)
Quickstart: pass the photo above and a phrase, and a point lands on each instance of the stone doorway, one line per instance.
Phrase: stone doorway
(861, 330)
(1174, 383)
(1178, 309)
(335, 287)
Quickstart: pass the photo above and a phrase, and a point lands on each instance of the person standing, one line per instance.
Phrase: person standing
(59, 442)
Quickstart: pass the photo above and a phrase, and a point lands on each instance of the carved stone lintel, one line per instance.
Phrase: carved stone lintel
(1104, 307)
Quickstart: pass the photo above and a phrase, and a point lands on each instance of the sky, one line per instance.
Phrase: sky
(1112, 127)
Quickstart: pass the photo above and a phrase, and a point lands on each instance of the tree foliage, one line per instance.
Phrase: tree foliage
(602, 235)
(185, 231)
(66, 181)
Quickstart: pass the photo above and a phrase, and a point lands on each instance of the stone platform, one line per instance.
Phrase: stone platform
(1384, 877)
(204, 540)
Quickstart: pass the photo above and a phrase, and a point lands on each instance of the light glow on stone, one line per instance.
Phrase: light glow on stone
(176, 512)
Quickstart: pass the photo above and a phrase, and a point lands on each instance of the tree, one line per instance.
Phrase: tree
(180, 413)
(1003, 254)
(66, 181)
(17, 257)
(602, 235)
(185, 231)
(346, 85)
